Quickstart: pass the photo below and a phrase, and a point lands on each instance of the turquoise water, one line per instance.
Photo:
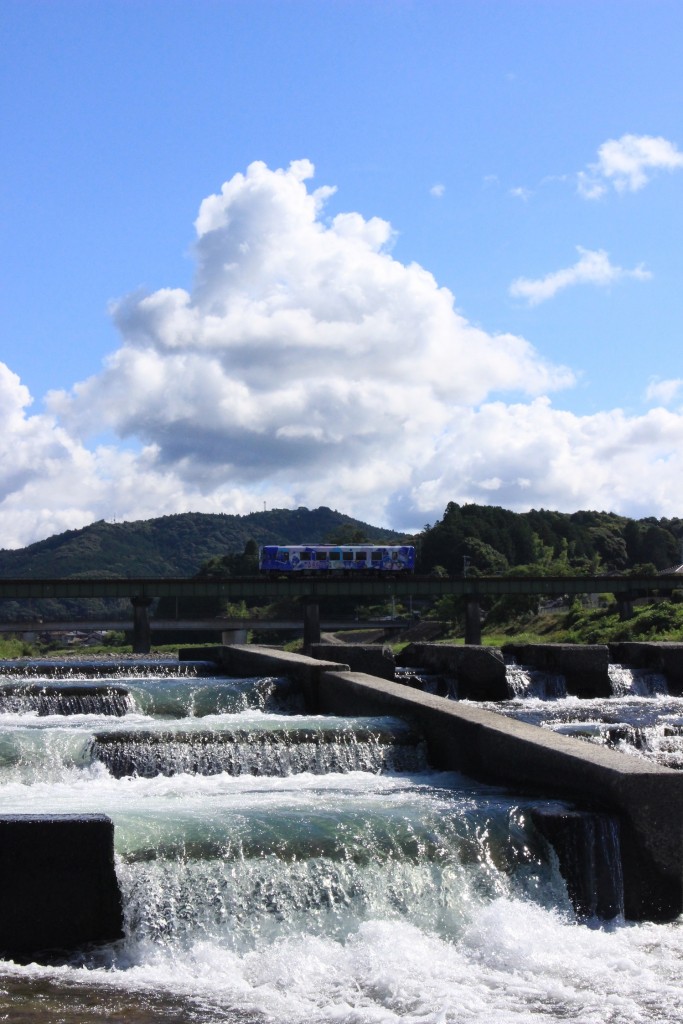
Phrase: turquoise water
(347, 883)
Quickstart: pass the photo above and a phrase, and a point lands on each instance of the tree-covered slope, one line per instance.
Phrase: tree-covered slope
(493, 540)
(175, 545)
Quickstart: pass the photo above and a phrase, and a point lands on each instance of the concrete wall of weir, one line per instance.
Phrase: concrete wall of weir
(647, 800)
(480, 671)
(58, 886)
(663, 657)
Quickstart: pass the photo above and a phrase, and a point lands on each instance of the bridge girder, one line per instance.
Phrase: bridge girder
(236, 588)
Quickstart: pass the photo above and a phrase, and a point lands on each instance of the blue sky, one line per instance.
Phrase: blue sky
(452, 237)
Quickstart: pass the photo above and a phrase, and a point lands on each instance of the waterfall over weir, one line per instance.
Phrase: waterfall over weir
(276, 749)
(280, 867)
(641, 718)
(636, 682)
(528, 682)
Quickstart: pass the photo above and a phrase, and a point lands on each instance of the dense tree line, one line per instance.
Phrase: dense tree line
(486, 539)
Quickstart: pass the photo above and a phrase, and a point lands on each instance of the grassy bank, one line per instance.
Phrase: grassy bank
(577, 624)
(660, 621)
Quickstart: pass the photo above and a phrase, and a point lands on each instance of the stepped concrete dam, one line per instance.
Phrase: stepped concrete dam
(648, 800)
(625, 814)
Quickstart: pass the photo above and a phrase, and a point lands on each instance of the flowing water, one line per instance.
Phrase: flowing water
(278, 867)
(641, 718)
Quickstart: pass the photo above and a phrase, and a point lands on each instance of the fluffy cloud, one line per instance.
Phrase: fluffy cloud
(664, 391)
(592, 267)
(308, 366)
(50, 481)
(305, 354)
(532, 455)
(627, 164)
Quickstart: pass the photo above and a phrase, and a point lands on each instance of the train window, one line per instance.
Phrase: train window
(376, 556)
(321, 556)
(361, 556)
(283, 556)
(347, 556)
(305, 556)
(334, 556)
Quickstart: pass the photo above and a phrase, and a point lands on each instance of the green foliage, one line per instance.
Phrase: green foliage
(114, 638)
(494, 540)
(582, 624)
(347, 534)
(643, 569)
(449, 609)
(15, 647)
(236, 610)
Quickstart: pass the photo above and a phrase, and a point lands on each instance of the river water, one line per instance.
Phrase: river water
(278, 867)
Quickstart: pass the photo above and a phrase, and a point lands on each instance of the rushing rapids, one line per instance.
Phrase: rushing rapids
(282, 867)
(641, 718)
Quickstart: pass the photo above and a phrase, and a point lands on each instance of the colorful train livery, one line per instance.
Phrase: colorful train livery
(342, 558)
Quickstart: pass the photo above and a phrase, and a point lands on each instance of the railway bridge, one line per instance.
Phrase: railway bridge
(312, 591)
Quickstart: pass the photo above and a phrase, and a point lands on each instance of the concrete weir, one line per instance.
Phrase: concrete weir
(584, 666)
(478, 671)
(659, 657)
(58, 887)
(646, 800)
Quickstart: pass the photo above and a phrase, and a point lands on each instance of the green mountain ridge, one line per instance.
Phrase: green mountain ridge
(176, 545)
(491, 539)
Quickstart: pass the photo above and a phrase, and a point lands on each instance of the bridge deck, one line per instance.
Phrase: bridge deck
(236, 588)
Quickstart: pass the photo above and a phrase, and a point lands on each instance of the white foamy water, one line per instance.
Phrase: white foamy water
(355, 897)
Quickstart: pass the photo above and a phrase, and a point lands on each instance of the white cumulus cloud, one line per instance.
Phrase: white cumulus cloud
(628, 163)
(304, 355)
(592, 267)
(307, 366)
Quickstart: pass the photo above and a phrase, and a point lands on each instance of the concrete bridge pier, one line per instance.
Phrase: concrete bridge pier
(234, 636)
(142, 634)
(472, 621)
(311, 623)
(625, 606)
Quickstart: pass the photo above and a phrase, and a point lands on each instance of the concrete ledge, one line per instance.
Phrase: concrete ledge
(584, 666)
(663, 657)
(368, 658)
(58, 887)
(243, 660)
(479, 672)
(647, 800)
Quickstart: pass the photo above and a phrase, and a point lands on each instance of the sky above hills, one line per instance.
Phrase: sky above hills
(372, 254)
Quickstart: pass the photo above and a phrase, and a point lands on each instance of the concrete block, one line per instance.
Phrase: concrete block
(58, 886)
(479, 672)
(584, 666)
(370, 658)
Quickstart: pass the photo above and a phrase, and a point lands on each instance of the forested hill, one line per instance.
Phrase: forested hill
(494, 540)
(177, 545)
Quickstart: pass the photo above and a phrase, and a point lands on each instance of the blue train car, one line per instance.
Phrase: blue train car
(342, 558)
